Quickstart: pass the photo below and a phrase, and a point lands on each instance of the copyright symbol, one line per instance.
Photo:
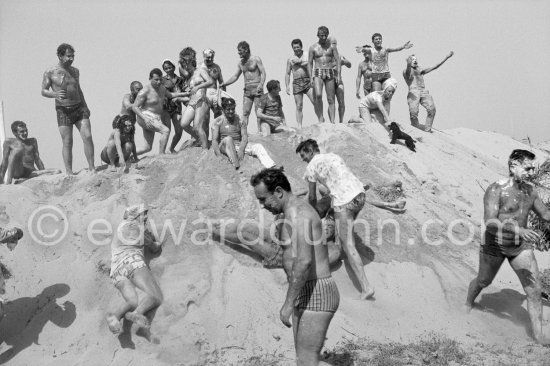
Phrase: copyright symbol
(48, 225)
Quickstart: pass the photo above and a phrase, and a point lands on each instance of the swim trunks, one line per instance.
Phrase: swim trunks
(270, 107)
(325, 74)
(490, 246)
(251, 90)
(158, 126)
(380, 77)
(354, 206)
(68, 116)
(320, 294)
(196, 100)
(301, 85)
(124, 266)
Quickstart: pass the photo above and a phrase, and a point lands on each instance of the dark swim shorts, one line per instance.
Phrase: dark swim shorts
(251, 91)
(68, 116)
(380, 77)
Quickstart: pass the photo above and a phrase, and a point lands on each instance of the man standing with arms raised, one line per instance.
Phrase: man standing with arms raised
(312, 297)
(70, 105)
(324, 66)
(254, 79)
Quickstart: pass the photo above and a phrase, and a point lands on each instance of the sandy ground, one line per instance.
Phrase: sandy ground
(220, 301)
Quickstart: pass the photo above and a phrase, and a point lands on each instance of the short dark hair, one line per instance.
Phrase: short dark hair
(155, 71)
(62, 49)
(375, 35)
(134, 83)
(226, 102)
(309, 145)
(168, 62)
(16, 124)
(272, 84)
(188, 51)
(520, 156)
(271, 178)
(322, 28)
(296, 41)
(244, 44)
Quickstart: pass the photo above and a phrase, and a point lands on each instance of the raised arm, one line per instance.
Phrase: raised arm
(407, 74)
(406, 46)
(429, 69)
(345, 62)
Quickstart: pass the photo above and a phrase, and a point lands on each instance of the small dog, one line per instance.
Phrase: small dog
(397, 134)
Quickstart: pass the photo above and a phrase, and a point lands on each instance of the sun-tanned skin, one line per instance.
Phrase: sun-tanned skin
(64, 82)
(507, 204)
(129, 99)
(20, 155)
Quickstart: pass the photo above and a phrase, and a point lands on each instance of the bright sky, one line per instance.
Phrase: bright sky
(497, 80)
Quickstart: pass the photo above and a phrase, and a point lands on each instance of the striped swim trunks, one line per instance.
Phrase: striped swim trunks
(325, 74)
(320, 294)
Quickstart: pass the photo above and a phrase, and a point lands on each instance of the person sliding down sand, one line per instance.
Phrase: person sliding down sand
(129, 270)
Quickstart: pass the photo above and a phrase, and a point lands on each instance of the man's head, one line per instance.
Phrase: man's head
(297, 46)
(243, 48)
(521, 165)
(273, 86)
(155, 77)
(19, 129)
(322, 34)
(208, 56)
(377, 39)
(413, 61)
(168, 67)
(307, 150)
(271, 188)
(228, 107)
(188, 57)
(135, 87)
(65, 53)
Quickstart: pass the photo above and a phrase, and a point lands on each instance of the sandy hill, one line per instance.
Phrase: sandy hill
(220, 303)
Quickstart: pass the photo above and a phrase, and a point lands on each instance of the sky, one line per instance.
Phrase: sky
(497, 80)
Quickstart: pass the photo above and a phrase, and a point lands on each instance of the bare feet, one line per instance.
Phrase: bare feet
(114, 324)
(468, 308)
(367, 295)
(139, 319)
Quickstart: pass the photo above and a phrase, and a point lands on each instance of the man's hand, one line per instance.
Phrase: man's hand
(528, 235)
(358, 95)
(60, 95)
(277, 119)
(337, 80)
(288, 90)
(450, 54)
(408, 45)
(240, 154)
(194, 90)
(260, 90)
(285, 314)
(358, 49)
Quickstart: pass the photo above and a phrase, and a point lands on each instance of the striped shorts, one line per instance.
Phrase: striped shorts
(320, 294)
(325, 74)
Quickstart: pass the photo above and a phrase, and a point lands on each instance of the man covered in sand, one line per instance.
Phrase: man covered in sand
(507, 204)
(20, 156)
(312, 297)
(148, 108)
(379, 56)
(70, 105)
(270, 110)
(301, 81)
(418, 95)
(129, 270)
(121, 147)
(230, 138)
(324, 67)
(253, 70)
(376, 101)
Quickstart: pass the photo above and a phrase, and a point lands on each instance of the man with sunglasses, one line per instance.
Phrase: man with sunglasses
(507, 204)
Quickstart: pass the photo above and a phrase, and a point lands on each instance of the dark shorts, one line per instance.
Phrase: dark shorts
(319, 295)
(251, 91)
(68, 116)
(490, 246)
(301, 85)
(380, 77)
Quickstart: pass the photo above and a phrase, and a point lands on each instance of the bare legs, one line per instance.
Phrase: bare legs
(330, 87)
(299, 99)
(247, 107)
(310, 329)
(67, 138)
(341, 102)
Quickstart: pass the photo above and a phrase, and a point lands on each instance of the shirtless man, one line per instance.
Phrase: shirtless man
(148, 109)
(230, 138)
(324, 67)
(376, 101)
(198, 108)
(414, 77)
(312, 297)
(215, 73)
(129, 99)
(254, 78)
(379, 56)
(70, 105)
(121, 144)
(364, 71)
(507, 204)
(20, 155)
(270, 110)
(301, 80)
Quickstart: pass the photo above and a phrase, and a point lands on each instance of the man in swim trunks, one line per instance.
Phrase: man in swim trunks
(20, 156)
(418, 95)
(198, 108)
(324, 67)
(376, 101)
(129, 270)
(129, 99)
(312, 297)
(348, 198)
(301, 80)
(507, 204)
(148, 109)
(364, 71)
(215, 73)
(270, 109)
(379, 56)
(121, 144)
(253, 70)
(230, 138)
(70, 105)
